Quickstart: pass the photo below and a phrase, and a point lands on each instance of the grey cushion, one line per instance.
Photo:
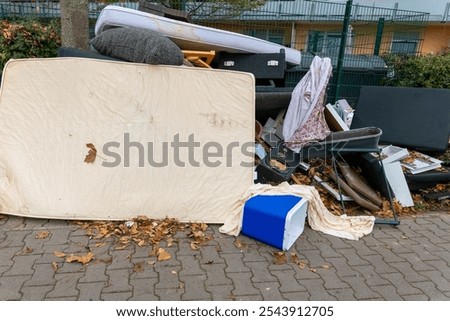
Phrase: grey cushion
(138, 45)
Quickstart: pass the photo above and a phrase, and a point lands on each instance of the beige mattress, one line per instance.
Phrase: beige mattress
(50, 109)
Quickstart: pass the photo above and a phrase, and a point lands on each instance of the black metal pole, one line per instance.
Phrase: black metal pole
(340, 63)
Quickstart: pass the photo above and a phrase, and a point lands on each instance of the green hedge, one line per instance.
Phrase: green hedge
(428, 71)
(28, 39)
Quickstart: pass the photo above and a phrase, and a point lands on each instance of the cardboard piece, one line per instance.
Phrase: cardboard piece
(334, 121)
(421, 163)
(397, 181)
(392, 154)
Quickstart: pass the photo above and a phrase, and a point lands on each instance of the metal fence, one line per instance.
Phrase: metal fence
(355, 37)
(48, 9)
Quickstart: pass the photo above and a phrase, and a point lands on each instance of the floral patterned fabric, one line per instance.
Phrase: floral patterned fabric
(314, 129)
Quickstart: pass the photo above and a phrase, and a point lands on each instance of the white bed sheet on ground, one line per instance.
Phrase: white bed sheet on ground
(51, 108)
(319, 218)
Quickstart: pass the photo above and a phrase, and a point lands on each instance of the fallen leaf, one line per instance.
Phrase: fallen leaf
(194, 245)
(313, 270)
(169, 241)
(151, 262)
(199, 226)
(294, 257)
(134, 229)
(198, 234)
(55, 266)
(27, 250)
(42, 235)
(326, 266)
(138, 267)
(101, 244)
(181, 286)
(163, 255)
(278, 165)
(404, 237)
(154, 251)
(441, 187)
(209, 262)
(174, 272)
(301, 265)
(122, 246)
(279, 258)
(59, 254)
(92, 153)
(84, 259)
(239, 244)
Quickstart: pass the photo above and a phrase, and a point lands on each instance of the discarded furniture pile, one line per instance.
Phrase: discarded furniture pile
(380, 148)
(155, 76)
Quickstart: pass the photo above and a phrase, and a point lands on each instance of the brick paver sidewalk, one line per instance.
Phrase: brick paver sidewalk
(408, 262)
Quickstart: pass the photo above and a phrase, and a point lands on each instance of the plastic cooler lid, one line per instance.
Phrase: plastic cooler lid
(266, 204)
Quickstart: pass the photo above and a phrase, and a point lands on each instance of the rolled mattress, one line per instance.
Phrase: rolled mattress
(190, 36)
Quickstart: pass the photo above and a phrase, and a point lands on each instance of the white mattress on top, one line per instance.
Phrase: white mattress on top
(190, 36)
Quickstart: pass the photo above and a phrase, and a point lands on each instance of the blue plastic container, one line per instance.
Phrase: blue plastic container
(277, 220)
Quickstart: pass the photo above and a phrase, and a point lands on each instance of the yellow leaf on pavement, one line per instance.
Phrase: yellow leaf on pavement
(59, 254)
(42, 235)
(163, 255)
(83, 259)
(55, 266)
(279, 258)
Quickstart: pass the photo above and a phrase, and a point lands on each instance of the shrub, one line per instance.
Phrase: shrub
(427, 71)
(28, 39)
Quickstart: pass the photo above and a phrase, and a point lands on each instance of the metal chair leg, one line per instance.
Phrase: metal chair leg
(341, 198)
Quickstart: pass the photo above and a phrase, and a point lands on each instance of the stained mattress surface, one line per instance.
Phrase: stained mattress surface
(52, 109)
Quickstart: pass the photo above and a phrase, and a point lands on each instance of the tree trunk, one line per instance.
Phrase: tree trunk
(75, 24)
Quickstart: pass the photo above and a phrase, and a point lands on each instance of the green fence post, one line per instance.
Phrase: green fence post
(340, 63)
(380, 27)
(315, 41)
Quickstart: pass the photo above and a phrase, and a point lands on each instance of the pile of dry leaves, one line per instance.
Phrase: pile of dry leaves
(144, 231)
(141, 231)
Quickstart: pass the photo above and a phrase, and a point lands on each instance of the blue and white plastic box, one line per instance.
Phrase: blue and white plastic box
(277, 220)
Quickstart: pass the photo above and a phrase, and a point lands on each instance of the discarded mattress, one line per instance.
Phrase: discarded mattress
(190, 36)
(418, 118)
(96, 139)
